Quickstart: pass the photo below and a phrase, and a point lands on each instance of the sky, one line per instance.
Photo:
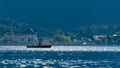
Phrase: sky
(62, 13)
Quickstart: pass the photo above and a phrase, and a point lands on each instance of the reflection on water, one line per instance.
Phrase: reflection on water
(57, 63)
(68, 58)
(63, 48)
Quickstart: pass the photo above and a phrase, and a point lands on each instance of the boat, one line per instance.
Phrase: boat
(39, 46)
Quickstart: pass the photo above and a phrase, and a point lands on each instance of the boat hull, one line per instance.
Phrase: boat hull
(43, 46)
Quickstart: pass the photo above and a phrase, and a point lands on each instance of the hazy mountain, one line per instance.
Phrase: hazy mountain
(63, 14)
(49, 16)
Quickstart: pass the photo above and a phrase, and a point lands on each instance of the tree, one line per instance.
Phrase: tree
(61, 38)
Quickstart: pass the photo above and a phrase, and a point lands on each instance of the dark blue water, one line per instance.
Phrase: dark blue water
(56, 59)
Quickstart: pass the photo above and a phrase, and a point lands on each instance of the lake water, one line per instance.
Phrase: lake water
(60, 57)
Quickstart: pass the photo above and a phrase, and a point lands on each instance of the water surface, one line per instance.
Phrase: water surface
(60, 57)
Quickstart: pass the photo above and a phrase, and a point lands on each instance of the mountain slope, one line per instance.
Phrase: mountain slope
(64, 14)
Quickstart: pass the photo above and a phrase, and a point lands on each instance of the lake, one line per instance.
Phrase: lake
(60, 57)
